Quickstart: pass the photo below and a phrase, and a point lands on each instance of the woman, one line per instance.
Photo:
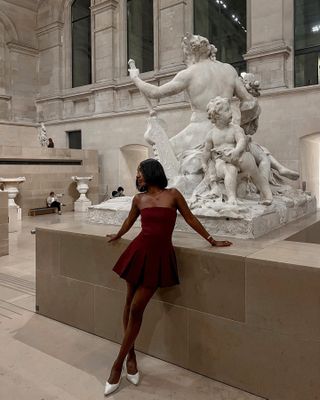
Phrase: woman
(149, 261)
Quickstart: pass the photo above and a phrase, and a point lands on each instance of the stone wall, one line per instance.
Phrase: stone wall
(4, 222)
(48, 170)
(111, 112)
(18, 66)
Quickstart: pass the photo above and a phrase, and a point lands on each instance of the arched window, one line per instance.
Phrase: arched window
(224, 22)
(140, 33)
(307, 42)
(81, 43)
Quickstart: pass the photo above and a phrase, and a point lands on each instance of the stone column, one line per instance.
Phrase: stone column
(104, 31)
(173, 24)
(269, 49)
(23, 81)
(50, 58)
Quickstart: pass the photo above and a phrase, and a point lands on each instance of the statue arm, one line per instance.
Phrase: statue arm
(206, 155)
(241, 141)
(176, 85)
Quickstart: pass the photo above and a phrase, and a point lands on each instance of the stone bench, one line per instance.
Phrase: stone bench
(42, 210)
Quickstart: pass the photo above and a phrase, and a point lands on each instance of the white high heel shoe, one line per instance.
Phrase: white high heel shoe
(135, 379)
(132, 378)
(111, 387)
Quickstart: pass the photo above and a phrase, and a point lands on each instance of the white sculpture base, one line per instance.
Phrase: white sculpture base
(14, 219)
(82, 206)
(255, 221)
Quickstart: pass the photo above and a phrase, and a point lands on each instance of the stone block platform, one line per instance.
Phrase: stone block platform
(248, 315)
(257, 221)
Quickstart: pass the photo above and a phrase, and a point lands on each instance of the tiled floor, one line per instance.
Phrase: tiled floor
(41, 359)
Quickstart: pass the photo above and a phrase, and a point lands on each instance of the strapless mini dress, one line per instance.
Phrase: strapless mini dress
(150, 260)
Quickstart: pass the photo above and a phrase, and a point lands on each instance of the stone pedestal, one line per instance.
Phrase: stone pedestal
(255, 221)
(4, 237)
(11, 187)
(82, 204)
(246, 315)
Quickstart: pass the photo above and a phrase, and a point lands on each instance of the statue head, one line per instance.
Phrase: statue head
(219, 110)
(196, 47)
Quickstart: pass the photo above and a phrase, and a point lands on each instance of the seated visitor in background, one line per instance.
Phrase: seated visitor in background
(114, 193)
(52, 201)
(120, 191)
(50, 144)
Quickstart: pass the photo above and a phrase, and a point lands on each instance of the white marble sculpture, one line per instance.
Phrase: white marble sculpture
(43, 136)
(225, 157)
(232, 183)
(82, 204)
(204, 79)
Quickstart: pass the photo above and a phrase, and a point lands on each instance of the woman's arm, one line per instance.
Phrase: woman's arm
(194, 222)
(129, 221)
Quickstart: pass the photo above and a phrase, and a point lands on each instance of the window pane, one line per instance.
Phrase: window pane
(223, 22)
(80, 9)
(75, 141)
(81, 52)
(140, 33)
(307, 42)
(307, 69)
(307, 23)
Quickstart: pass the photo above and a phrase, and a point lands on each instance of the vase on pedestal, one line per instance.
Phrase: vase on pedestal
(82, 204)
(10, 185)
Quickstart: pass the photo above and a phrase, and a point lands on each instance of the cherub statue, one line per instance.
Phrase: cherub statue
(225, 154)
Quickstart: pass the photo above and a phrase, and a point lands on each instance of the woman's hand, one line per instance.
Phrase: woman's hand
(218, 243)
(112, 237)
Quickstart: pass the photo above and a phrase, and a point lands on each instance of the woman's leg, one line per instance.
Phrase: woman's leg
(131, 360)
(139, 302)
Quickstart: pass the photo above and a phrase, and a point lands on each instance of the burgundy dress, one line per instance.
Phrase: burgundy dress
(149, 260)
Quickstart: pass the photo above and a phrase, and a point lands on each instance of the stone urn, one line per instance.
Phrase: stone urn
(10, 185)
(83, 202)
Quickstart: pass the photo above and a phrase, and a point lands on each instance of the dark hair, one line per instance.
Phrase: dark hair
(114, 193)
(51, 193)
(153, 174)
(120, 188)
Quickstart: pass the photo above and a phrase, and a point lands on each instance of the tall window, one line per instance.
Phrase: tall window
(307, 42)
(81, 43)
(223, 22)
(140, 33)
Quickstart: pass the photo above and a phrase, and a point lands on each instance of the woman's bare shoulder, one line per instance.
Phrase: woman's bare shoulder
(174, 192)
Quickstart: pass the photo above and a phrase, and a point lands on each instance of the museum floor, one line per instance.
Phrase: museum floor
(44, 359)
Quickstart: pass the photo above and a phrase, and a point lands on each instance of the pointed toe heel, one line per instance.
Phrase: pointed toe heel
(111, 387)
(135, 379)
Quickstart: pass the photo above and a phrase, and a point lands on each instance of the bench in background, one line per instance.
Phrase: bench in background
(42, 210)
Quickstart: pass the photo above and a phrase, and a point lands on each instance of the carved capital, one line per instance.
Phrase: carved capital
(268, 49)
(104, 5)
